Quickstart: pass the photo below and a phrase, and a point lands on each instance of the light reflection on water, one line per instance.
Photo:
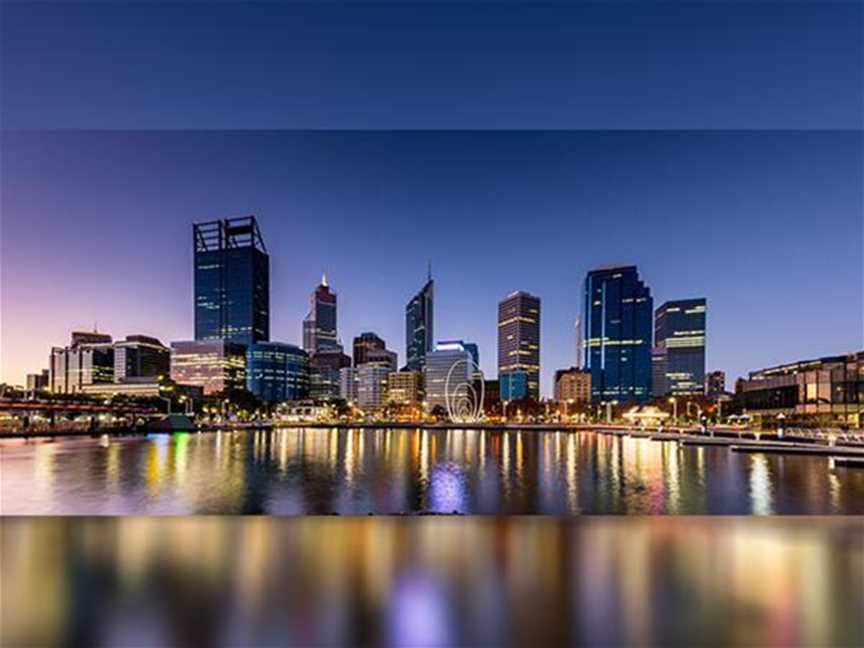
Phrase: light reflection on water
(322, 471)
(432, 581)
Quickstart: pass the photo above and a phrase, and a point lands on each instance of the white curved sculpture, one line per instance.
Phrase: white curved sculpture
(464, 403)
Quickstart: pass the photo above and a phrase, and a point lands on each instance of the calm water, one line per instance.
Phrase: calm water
(473, 581)
(322, 471)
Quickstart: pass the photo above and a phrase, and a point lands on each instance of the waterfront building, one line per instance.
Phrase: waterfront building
(715, 384)
(324, 367)
(573, 385)
(214, 365)
(448, 358)
(618, 309)
(232, 281)
(491, 396)
(678, 357)
(145, 388)
(405, 387)
(277, 372)
(519, 346)
(319, 326)
(87, 360)
(38, 381)
(419, 330)
(363, 344)
(348, 380)
(140, 358)
(827, 391)
(372, 386)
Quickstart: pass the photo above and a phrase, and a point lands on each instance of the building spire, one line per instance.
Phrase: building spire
(324, 279)
(429, 270)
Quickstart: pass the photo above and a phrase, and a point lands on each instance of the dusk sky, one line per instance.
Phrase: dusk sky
(727, 172)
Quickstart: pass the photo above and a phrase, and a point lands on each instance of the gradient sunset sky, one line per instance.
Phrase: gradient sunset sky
(718, 146)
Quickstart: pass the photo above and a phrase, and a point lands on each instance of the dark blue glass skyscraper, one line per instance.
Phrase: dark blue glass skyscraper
(679, 352)
(232, 281)
(618, 313)
(419, 326)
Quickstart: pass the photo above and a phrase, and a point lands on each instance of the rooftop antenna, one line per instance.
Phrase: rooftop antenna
(429, 270)
(324, 279)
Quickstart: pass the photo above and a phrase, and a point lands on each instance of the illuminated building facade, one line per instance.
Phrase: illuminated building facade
(829, 390)
(573, 385)
(348, 384)
(448, 358)
(618, 310)
(405, 387)
(140, 358)
(324, 367)
(232, 281)
(419, 331)
(319, 327)
(88, 360)
(519, 346)
(214, 365)
(678, 358)
(277, 372)
(372, 384)
(364, 344)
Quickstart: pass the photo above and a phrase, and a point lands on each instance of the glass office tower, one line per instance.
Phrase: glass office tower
(277, 372)
(319, 327)
(618, 311)
(679, 341)
(232, 281)
(519, 346)
(419, 326)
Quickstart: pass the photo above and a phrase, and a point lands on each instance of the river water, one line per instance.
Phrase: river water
(394, 471)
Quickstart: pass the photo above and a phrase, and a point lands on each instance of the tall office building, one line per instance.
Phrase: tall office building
(679, 348)
(363, 344)
(618, 308)
(450, 358)
(519, 346)
(277, 372)
(140, 358)
(232, 281)
(319, 327)
(419, 326)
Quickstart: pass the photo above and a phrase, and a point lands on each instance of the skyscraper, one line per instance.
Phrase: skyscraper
(618, 308)
(679, 342)
(519, 346)
(319, 327)
(232, 281)
(363, 344)
(419, 326)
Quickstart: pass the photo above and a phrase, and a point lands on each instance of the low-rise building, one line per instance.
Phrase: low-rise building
(827, 390)
(214, 365)
(573, 386)
(405, 387)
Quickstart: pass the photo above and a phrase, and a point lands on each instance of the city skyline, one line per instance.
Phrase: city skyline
(466, 192)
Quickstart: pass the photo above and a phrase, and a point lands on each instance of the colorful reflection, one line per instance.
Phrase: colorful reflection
(432, 581)
(389, 471)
